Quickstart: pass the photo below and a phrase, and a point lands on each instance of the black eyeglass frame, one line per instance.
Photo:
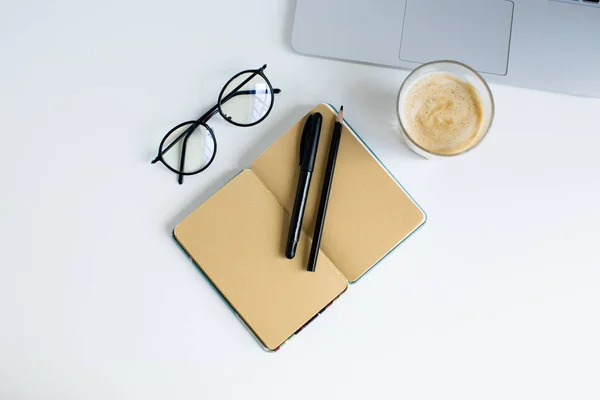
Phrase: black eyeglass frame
(203, 121)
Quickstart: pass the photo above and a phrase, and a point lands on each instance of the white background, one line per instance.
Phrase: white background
(496, 297)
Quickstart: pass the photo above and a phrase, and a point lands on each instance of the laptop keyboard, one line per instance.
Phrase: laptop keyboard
(593, 3)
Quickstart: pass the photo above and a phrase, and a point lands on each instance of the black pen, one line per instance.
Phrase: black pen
(326, 191)
(308, 152)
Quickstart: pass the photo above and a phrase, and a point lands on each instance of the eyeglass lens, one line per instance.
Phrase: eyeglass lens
(248, 104)
(199, 149)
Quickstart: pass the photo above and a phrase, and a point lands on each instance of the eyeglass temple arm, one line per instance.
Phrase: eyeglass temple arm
(208, 115)
(182, 159)
(204, 119)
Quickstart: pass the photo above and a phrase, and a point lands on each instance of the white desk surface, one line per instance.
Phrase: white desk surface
(496, 297)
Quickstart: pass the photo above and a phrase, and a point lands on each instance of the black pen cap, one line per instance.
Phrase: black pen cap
(310, 141)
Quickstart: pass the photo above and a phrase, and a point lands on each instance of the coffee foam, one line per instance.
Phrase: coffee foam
(442, 113)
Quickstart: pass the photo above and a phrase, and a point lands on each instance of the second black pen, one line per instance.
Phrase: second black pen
(326, 191)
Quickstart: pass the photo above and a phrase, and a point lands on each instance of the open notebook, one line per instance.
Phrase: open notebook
(237, 237)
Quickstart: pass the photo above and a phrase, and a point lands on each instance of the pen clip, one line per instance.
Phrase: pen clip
(304, 140)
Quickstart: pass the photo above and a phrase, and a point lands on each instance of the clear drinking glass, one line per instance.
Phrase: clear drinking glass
(462, 72)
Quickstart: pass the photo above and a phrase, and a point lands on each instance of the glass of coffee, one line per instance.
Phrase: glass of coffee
(445, 109)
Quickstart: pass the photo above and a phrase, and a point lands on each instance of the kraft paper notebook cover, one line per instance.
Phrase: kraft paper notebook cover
(237, 237)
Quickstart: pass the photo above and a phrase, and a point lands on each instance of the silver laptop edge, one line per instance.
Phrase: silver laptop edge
(551, 45)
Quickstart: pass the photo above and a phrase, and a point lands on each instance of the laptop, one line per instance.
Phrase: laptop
(551, 45)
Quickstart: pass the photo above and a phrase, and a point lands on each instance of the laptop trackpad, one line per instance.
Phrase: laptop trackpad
(474, 32)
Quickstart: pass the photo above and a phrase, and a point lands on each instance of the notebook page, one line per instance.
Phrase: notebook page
(369, 213)
(237, 238)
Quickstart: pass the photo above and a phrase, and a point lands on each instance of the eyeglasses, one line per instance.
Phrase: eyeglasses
(190, 147)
